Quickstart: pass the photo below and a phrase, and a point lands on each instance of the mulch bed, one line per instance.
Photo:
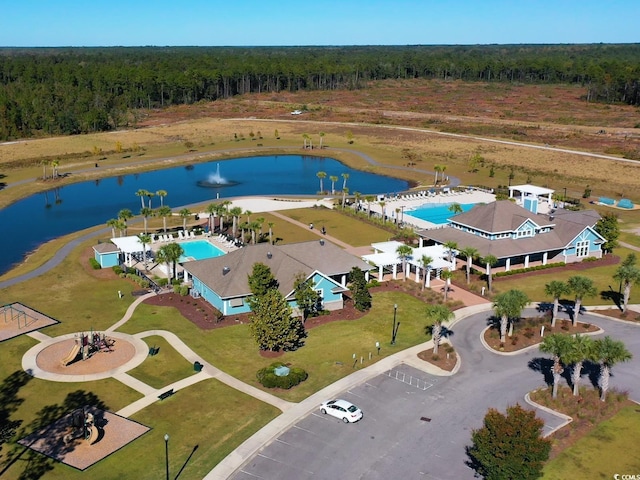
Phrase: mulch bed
(575, 267)
(630, 316)
(445, 360)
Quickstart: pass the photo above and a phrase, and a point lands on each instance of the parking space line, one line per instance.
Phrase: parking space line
(303, 429)
(284, 463)
(250, 474)
(354, 394)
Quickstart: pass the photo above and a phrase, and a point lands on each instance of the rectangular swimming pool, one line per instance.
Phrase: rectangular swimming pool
(199, 250)
(437, 213)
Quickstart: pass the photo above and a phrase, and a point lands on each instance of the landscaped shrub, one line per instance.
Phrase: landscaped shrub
(267, 377)
(516, 271)
(590, 259)
(117, 269)
(162, 282)
(94, 264)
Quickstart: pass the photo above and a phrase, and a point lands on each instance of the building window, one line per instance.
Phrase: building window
(582, 248)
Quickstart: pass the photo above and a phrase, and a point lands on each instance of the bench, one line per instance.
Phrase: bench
(166, 394)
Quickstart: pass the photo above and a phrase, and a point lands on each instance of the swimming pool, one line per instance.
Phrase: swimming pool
(437, 213)
(199, 250)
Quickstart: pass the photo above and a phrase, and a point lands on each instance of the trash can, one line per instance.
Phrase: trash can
(197, 366)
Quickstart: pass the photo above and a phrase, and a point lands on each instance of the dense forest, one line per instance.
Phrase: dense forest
(79, 90)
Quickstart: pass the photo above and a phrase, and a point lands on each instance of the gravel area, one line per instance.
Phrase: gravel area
(18, 319)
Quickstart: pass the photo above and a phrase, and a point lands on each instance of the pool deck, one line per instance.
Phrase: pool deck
(409, 203)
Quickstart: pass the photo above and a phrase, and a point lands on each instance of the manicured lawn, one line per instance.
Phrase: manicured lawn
(342, 227)
(630, 238)
(328, 351)
(166, 367)
(603, 452)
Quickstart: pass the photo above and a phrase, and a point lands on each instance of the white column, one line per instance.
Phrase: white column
(395, 271)
(438, 273)
(343, 281)
(428, 274)
(545, 257)
(380, 272)
(417, 274)
(421, 242)
(526, 261)
(366, 276)
(507, 265)
(186, 275)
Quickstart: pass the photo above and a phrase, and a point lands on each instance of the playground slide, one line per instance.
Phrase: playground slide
(95, 433)
(72, 355)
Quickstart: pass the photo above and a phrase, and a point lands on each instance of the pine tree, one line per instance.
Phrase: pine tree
(272, 325)
(359, 290)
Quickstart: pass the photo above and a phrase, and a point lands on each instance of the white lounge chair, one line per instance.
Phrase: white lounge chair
(192, 234)
(180, 235)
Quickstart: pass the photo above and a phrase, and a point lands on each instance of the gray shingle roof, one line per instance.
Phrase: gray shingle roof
(106, 248)
(499, 216)
(285, 262)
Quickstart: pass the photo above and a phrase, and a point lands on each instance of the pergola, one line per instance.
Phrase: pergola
(530, 196)
(385, 256)
(130, 245)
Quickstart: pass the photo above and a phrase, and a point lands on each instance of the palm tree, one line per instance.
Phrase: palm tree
(437, 169)
(124, 215)
(627, 274)
(557, 345)
(489, 261)
(446, 275)
(509, 305)
(248, 213)
(44, 170)
(121, 226)
(173, 254)
(212, 209)
(164, 212)
(555, 289)
(382, 211)
(271, 224)
(113, 223)
(425, 263)
(581, 287)
(404, 252)
(162, 256)
(141, 193)
(149, 195)
(455, 208)
(224, 211)
(54, 166)
(145, 239)
(438, 314)
(608, 352)
(469, 253)
(321, 176)
(235, 212)
(162, 194)
(345, 176)
(146, 212)
(305, 137)
(333, 179)
(580, 349)
(321, 134)
(450, 246)
(184, 213)
(369, 199)
(345, 192)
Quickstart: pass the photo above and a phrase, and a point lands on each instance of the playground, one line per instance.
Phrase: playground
(84, 437)
(18, 319)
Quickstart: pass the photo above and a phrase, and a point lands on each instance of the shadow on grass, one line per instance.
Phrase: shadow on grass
(186, 462)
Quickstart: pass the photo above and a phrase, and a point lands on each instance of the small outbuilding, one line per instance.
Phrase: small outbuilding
(106, 254)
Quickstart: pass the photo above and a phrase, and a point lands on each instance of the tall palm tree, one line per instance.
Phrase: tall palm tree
(306, 138)
(212, 209)
(162, 256)
(149, 195)
(438, 314)
(185, 213)
(555, 289)
(321, 176)
(345, 176)
(44, 164)
(146, 212)
(124, 215)
(345, 192)
(469, 253)
(145, 239)
(581, 287)
(627, 274)
(235, 212)
(509, 305)
(141, 193)
(580, 349)
(425, 263)
(404, 252)
(455, 208)
(54, 166)
(608, 352)
(489, 261)
(369, 199)
(382, 211)
(437, 169)
(271, 224)
(446, 275)
(164, 212)
(113, 223)
(557, 345)
(248, 213)
(224, 212)
(333, 179)
(450, 246)
(162, 194)
(121, 226)
(321, 134)
(173, 254)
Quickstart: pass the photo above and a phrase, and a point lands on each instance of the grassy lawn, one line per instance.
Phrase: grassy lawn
(630, 238)
(603, 452)
(166, 367)
(340, 226)
(326, 356)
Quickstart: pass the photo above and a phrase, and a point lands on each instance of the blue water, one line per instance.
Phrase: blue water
(437, 213)
(199, 250)
(45, 216)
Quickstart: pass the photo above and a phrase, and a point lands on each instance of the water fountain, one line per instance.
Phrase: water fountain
(215, 180)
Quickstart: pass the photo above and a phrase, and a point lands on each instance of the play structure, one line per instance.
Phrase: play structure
(12, 314)
(86, 345)
(82, 427)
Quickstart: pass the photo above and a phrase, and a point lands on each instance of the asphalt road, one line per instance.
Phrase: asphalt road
(394, 441)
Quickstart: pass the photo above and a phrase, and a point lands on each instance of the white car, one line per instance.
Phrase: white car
(342, 409)
(296, 112)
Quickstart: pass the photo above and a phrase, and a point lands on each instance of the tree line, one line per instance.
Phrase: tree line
(80, 90)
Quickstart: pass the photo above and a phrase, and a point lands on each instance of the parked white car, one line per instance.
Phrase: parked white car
(296, 112)
(342, 409)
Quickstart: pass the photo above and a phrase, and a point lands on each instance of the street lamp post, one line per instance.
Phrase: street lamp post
(166, 453)
(393, 328)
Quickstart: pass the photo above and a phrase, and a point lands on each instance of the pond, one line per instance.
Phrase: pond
(35, 220)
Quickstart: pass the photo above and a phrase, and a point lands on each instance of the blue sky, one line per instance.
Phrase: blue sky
(55, 23)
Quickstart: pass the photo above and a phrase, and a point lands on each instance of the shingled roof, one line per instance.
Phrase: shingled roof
(499, 216)
(228, 275)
